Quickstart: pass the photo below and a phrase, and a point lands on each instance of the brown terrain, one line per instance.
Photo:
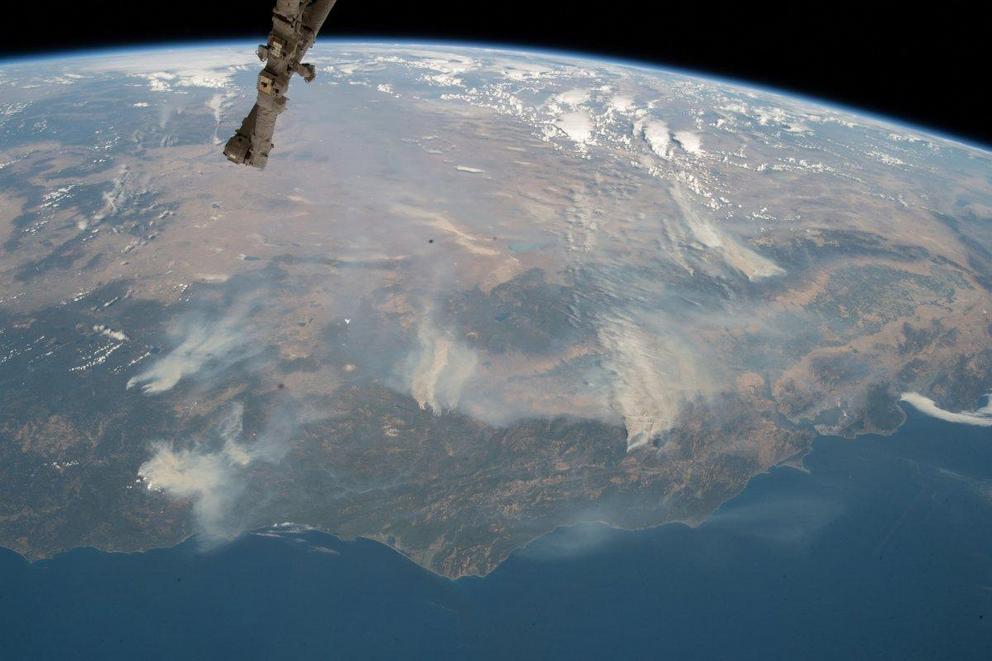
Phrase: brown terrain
(449, 318)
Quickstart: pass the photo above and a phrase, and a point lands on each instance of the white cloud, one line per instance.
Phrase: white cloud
(573, 98)
(690, 142)
(621, 104)
(577, 125)
(117, 335)
(658, 137)
(980, 418)
(520, 71)
(166, 70)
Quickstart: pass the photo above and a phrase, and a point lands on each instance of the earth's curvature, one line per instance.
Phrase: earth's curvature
(476, 295)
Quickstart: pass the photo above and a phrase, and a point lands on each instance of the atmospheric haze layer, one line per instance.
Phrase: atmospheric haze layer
(476, 295)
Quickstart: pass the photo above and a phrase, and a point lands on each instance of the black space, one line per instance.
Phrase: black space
(926, 64)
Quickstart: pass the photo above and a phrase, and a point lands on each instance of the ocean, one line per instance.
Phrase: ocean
(879, 548)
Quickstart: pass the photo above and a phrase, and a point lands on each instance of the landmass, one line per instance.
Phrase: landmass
(490, 295)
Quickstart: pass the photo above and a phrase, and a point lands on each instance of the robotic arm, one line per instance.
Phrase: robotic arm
(295, 24)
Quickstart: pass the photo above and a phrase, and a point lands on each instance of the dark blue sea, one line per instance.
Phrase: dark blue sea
(881, 549)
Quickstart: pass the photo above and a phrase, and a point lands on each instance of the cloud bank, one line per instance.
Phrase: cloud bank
(979, 418)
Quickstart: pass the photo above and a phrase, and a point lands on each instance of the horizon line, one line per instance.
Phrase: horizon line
(520, 48)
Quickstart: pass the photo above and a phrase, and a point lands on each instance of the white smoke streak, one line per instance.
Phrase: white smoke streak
(442, 367)
(221, 343)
